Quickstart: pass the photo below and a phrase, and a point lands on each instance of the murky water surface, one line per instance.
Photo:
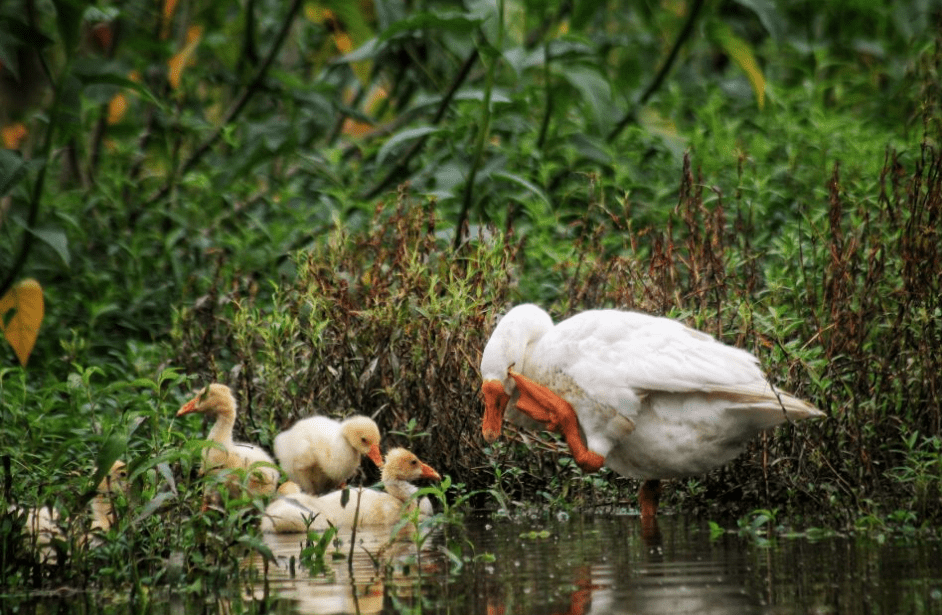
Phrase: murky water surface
(588, 565)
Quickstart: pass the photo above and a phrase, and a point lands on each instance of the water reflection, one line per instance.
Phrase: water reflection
(619, 566)
(366, 578)
(602, 564)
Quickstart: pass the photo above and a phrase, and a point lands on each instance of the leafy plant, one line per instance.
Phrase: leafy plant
(314, 550)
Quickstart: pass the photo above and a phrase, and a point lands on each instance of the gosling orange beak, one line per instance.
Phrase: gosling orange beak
(375, 456)
(495, 403)
(188, 407)
(429, 472)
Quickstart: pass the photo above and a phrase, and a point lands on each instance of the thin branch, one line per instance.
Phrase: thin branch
(401, 167)
(237, 107)
(27, 244)
(682, 37)
(483, 130)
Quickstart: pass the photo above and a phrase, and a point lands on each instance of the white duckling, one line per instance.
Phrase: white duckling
(319, 453)
(299, 512)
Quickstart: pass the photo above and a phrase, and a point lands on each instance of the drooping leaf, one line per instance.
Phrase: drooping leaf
(520, 181)
(179, 61)
(767, 13)
(68, 20)
(111, 450)
(55, 239)
(402, 137)
(21, 313)
(12, 169)
(591, 84)
(741, 53)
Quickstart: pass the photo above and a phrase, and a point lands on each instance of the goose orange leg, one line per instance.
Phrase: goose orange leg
(648, 498)
(541, 404)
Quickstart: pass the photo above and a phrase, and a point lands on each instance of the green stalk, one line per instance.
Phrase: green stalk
(36, 195)
(484, 130)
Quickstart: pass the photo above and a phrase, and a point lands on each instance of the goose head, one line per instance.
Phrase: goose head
(402, 465)
(508, 348)
(363, 435)
(214, 400)
(116, 481)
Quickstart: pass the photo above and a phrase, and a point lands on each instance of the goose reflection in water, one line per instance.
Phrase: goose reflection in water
(653, 578)
(377, 567)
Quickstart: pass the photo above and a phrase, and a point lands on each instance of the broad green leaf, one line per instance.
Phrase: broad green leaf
(12, 169)
(21, 313)
(68, 21)
(766, 12)
(89, 73)
(55, 239)
(595, 90)
(402, 137)
(454, 23)
(111, 450)
(741, 53)
(530, 186)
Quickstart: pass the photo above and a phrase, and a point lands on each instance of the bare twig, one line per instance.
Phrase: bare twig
(253, 87)
(401, 168)
(36, 196)
(682, 37)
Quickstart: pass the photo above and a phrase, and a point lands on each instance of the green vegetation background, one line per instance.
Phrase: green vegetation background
(326, 204)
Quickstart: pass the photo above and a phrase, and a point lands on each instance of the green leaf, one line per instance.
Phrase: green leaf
(451, 22)
(111, 450)
(590, 83)
(12, 170)
(765, 11)
(68, 19)
(55, 239)
(520, 181)
(90, 72)
(401, 137)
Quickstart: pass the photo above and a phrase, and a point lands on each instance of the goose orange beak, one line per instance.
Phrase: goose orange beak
(495, 403)
(429, 472)
(375, 456)
(188, 407)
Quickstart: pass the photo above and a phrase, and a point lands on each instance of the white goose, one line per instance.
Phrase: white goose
(649, 397)
(320, 454)
(298, 512)
(217, 401)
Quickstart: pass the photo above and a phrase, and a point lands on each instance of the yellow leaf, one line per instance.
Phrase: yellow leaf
(13, 135)
(22, 327)
(178, 62)
(117, 107)
(740, 51)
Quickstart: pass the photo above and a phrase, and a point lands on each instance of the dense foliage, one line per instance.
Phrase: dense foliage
(326, 205)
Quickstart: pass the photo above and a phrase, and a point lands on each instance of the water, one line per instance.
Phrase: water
(614, 565)
(601, 564)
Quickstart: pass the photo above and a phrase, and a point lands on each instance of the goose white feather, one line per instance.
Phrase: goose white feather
(651, 398)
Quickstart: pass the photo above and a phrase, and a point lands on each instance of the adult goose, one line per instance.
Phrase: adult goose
(235, 459)
(646, 396)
